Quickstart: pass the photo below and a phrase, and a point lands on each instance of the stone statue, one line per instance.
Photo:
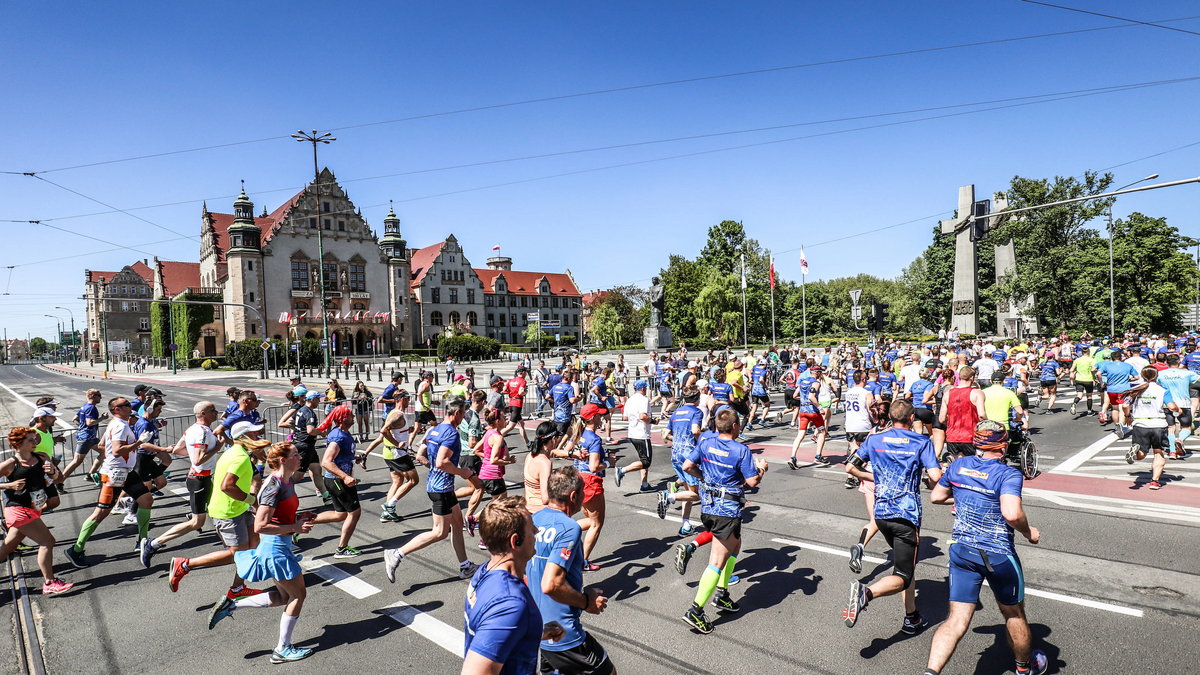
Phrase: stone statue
(345, 280)
(316, 277)
(657, 302)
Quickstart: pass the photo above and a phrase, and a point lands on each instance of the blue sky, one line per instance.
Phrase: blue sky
(92, 82)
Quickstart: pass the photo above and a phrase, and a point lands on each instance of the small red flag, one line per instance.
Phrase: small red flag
(772, 273)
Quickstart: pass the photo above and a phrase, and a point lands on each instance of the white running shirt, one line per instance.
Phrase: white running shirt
(858, 418)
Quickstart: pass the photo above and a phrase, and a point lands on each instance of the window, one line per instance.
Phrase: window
(503, 320)
(358, 277)
(470, 296)
(249, 265)
(491, 319)
(454, 296)
(451, 258)
(216, 312)
(254, 329)
(251, 296)
(299, 275)
(472, 318)
(487, 300)
(358, 307)
(325, 207)
(554, 302)
(545, 302)
(312, 222)
(299, 307)
(400, 274)
(513, 318)
(330, 270)
(325, 224)
(435, 319)
(341, 226)
(455, 319)
(144, 323)
(435, 295)
(145, 344)
(124, 306)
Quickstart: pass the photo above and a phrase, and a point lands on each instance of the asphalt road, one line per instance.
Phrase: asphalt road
(1113, 587)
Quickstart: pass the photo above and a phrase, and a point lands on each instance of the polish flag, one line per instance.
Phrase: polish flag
(772, 272)
(496, 247)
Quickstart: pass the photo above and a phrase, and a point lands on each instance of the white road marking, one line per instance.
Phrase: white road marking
(1075, 461)
(340, 578)
(442, 634)
(1183, 514)
(1145, 469)
(31, 404)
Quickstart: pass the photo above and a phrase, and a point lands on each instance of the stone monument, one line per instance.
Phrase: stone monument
(1013, 319)
(964, 314)
(657, 335)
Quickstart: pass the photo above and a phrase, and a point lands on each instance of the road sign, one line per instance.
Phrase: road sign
(551, 324)
(856, 312)
(174, 346)
(295, 347)
(324, 343)
(855, 294)
(557, 337)
(532, 316)
(266, 346)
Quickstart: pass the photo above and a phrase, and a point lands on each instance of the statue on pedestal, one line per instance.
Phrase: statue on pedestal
(657, 335)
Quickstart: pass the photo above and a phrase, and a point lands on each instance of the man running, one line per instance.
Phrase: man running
(424, 408)
(726, 469)
(1180, 382)
(1051, 371)
(304, 436)
(1083, 377)
(897, 458)
(637, 411)
(515, 389)
(962, 410)
(758, 393)
(1149, 404)
(986, 495)
(87, 436)
(443, 449)
(682, 432)
(858, 418)
(808, 390)
(1118, 379)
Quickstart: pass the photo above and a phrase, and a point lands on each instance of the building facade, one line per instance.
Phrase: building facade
(117, 305)
(509, 297)
(446, 290)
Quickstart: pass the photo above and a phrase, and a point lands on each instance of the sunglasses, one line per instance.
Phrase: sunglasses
(124, 405)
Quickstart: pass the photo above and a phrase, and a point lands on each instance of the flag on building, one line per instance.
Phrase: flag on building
(803, 262)
(772, 272)
(496, 247)
(743, 271)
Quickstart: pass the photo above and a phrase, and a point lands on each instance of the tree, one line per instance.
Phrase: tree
(718, 309)
(532, 334)
(607, 326)
(682, 280)
(1153, 278)
(188, 321)
(38, 346)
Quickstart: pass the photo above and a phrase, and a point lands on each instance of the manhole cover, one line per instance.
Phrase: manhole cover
(1159, 591)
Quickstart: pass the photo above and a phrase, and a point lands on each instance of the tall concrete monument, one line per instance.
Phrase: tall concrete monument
(1013, 319)
(964, 302)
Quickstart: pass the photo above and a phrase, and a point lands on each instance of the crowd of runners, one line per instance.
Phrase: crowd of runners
(953, 415)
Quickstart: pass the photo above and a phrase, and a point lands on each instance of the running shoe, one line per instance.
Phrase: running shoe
(388, 516)
(663, 505)
(645, 487)
(855, 604)
(687, 529)
(482, 546)
(290, 653)
(391, 560)
(1154, 485)
(696, 619)
(683, 554)
(749, 427)
(856, 556)
(326, 499)
(852, 482)
(56, 586)
(27, 548)
(1074, 408)
(914, 626)
(734, 580)
(618, 474)
(95, 478)
(129, 519)
(244, 592)
(123, 505)
(819, 459)
(1038, 664)
(589, 566)
(1131, 454)
(177, 573)
(723, 602)
(223, 609)
(146, 552)
(792, 463)
(468, 570)
(344, 552)
(742, 437)
(472, 523)
(62, 488)
(77, 558)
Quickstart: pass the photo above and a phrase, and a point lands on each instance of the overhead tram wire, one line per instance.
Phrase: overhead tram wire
(1110, 16)
(93, 199)
(636, 87)
(1097, 90)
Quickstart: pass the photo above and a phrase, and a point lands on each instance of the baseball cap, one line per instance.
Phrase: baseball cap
(300, 392)
(693, 364)
(242, 428)
(496, 379)
(312, 394)
(558, 367)
(590, 410)
(45, 412)
(700, 384)
(640, 384)
(460, 377)
(294, 378)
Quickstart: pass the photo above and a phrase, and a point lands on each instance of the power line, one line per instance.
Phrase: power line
(1157, 154)
(1110, 16)
(131, 215)
(636, 87)
(1104, 89)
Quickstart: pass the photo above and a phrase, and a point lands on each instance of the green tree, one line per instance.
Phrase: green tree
(718, 308)
(38, 346)
(1153, 277)
(682, 279)
(607, 326)
(532, 333)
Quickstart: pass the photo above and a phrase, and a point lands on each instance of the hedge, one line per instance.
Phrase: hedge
(468, 347)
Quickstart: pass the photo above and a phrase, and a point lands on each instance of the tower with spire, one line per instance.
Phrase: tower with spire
(395, 252)
(244, 260)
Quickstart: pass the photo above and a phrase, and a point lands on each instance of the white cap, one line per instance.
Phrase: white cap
(44, 412)
(700, 384)
(241, 428)
(693, 364)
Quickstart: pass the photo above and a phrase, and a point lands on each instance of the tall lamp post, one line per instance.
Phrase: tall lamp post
(1112, 295)
(58, 326)
(314, 138)
(74, 337)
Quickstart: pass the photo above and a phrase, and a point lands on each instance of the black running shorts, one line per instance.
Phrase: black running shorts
(722, 527)
(904, 538)
(586, 658)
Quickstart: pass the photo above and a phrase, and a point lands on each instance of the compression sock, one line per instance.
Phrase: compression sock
(702, 538)
(85, 533)
(287, 624)
(727, 572)
(1089, 402)
(1184, 434)
(862, 537)
(1170, 442)
(143, 520)
(707, 585)
(260, 601)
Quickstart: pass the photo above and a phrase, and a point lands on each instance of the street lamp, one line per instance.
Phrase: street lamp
(1112, 296)
(58, 327)
(74, 337)
(314, 138)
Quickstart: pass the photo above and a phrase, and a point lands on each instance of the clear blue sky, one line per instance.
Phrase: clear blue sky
(91, 82)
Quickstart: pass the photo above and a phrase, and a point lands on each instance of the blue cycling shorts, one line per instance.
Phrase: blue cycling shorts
(684, 477)
(969, 567)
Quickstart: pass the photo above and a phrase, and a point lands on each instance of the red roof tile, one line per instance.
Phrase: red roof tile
(178, 276)
(594, 298)
(99, 277)
(143, 270)
(422, 260)
(526, 283)
(221, 223)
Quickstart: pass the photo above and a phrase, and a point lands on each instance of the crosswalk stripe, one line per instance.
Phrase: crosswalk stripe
(442, 634)
(340, 578)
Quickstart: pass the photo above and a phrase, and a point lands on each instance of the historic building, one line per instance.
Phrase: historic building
(509, 297)
(117, 305)
(447, 292)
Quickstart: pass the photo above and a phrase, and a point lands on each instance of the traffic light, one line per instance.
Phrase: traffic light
(878, 316)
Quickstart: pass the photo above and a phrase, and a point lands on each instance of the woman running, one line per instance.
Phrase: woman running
(338, 463)
(27, 475)
(493, 456)
(590, 463)
(276, 520)
(538, 465)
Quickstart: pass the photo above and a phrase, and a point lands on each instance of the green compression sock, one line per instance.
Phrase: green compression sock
(708, 584)
(143, 517)
(85, 533)
(727, 572)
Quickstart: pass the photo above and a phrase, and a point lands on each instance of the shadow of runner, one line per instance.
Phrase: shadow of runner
(998, 658)
(769, 579)
(932, 598)
(624, 583)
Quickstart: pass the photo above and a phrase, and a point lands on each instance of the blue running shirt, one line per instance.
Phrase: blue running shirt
(757, 373)
(726, 464)
(558, 543)
(1178, 382)
(804, 388)
(84, 432)
(977, 484)
(1191, 361)
(501, 622)
(592, 445)
(1050, 369)
(721, 391)
(345, 456)
(918, 393)
(561, 394)
(681, 422)
(441, 435)
(1117, 375)
(897, 457)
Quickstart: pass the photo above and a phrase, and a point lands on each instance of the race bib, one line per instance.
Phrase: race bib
(117, 475)
(39, 499)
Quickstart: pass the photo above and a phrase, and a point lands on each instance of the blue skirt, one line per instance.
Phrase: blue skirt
(273, 559)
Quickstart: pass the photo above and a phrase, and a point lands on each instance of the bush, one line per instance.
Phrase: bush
(468, 347)
(209, 364)
(217, 361)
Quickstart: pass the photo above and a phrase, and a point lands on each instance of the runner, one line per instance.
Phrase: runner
(555, 580)
(472, 428)
(986, 496)
(959, 414)
(859, 401)
(590, 463)
(119, 476)
(1150, 403)
(515, 388)
(637, 411)
(246, 411)
(564, 395)
(538, 465)
(501, 623)
(1179, 381)
(921, 393)
(388, 396)
(228, 506)
(1050, 372)
(1083, 377)
(304, 436)
(682, 432)
(424, 406)
(338, 463)
(276, 521)
(897, 459)
(808, 392)
(87, 437)
(758, 393)
(1118, 379)
(397, 453)
(725, 468)
(881, 423)
(443, 448)
(493, 456)
(202, 447)
(28, 477)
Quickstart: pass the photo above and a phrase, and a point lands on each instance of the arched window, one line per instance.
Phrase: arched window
(435, 319)
(472, 318)
(455, 319)
(358, 306)
(300, 306)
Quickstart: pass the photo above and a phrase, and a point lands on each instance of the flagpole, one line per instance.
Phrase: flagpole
(772, 301)
(804, 310)
(745, 333)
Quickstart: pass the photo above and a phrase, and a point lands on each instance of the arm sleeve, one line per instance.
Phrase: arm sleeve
(500, 623)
